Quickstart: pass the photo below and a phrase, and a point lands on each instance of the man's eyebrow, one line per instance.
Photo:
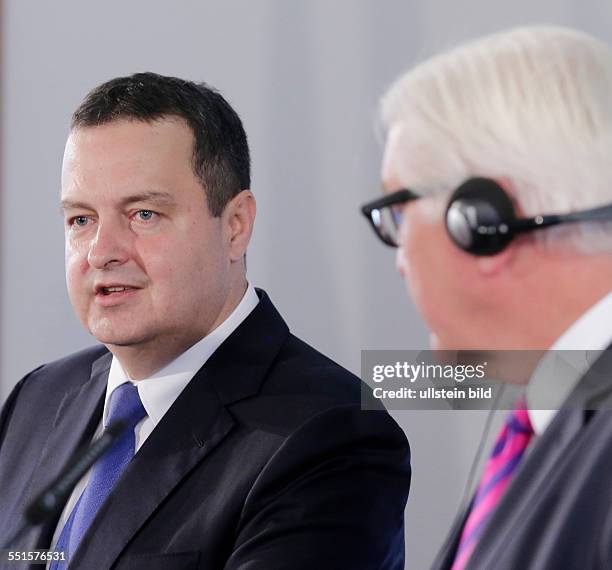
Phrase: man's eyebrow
(74, 205)
(152, 197)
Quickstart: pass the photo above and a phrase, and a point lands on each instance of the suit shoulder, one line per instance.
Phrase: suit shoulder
(300, 368)
(71, 370)
(301, 384)
(39, 395)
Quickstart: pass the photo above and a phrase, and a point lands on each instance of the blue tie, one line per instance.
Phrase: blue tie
(125, 405)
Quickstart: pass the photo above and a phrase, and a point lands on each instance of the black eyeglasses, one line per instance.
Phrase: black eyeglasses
(385, 214)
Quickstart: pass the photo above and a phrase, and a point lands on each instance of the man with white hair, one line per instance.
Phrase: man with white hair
(497, 172)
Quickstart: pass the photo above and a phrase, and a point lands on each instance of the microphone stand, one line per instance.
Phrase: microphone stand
(55, 495)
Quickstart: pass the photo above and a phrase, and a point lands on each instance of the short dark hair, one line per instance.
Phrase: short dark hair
(221, 151)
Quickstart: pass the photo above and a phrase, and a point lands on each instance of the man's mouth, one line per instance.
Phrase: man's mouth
(109, 290)
(106, 290)
(114, 294)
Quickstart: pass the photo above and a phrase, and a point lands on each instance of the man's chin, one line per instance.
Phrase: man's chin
(116, 338)
(441, 342)
(121, 343)
(434, 342)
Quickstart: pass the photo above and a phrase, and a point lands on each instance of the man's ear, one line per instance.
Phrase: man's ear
(239, 217)
(492, 265)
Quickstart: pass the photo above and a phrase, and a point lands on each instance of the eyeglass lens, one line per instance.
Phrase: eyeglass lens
(387, 221)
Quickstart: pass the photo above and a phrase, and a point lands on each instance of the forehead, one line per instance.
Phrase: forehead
(420, 158)
(128, 153)
(391, 171)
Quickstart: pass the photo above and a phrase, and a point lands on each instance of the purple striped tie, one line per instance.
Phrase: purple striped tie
(507, 453)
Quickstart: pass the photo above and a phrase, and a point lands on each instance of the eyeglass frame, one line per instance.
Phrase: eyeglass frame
(398, 197)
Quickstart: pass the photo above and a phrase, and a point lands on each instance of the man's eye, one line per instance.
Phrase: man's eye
(145, 215)
(79, 221)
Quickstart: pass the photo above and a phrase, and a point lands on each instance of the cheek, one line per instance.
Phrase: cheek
(75, 260)
(158, 264)
(179, 264)
(424, 263)
(410, 266)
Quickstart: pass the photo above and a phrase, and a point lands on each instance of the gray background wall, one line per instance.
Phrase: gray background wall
(305, 77)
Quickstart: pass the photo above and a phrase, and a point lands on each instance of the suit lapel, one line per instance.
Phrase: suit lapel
(446, 556)
(542, 461)
(596, 386)
(75, 423)
(195, 424)
(592, 389)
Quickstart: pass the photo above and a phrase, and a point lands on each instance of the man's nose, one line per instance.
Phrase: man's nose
(110, 246)
(400, 261)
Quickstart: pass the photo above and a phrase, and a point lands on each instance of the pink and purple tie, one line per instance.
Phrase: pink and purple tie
(507, 453)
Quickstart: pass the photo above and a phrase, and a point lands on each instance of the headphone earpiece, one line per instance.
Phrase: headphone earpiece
(480, 217)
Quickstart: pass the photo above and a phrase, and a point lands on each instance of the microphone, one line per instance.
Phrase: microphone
(55, 495)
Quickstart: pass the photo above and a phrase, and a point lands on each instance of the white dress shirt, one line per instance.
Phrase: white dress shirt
(159, 392)
(586, 337)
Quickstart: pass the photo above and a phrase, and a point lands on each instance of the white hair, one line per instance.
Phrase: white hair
(530, 106)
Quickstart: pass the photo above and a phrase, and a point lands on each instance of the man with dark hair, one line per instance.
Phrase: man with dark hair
(245, 448)
(220, 150)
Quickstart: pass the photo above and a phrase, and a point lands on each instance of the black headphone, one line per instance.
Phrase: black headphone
(481, 220)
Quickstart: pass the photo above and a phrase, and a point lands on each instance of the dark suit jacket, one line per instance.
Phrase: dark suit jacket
(265, 461)
(556, 513)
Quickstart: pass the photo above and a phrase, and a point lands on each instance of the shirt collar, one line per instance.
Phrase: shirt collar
(590, 333)
(159, 391)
